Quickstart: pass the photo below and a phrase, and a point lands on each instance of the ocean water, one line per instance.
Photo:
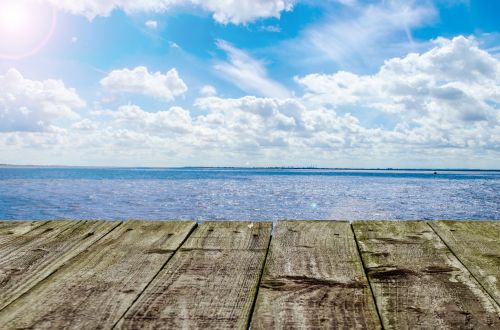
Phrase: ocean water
(246, 194)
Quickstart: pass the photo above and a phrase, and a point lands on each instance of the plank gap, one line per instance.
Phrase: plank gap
(36, 282)
(156, 275)
(365, 270)
(263, 266)
(464, 265)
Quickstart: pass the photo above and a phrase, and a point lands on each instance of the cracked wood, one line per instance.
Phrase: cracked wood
(477, 245)
(38, 252)
(97, 287)
(314, 278)
(211, 281)
(417, 281)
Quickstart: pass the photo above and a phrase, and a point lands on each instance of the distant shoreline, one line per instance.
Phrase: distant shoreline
(255, 168)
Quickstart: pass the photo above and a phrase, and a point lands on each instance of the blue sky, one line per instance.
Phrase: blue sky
(342, 83)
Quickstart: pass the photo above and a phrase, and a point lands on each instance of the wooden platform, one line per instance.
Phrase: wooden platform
(235, 275)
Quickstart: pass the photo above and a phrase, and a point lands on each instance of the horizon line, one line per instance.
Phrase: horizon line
(261, 167)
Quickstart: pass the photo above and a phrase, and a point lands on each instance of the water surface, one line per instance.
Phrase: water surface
(246, 194)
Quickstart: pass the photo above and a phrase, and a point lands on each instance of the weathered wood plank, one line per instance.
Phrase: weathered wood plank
(314, 279)
(96, 288)
(31, 257)
(477, 245)
(418, 283)
(210, 282)
(10, 230)
(18, 226)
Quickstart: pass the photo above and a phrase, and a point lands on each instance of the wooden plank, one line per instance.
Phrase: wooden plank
(96, 288)
(477, 245)
(9, 230)
(417, 282)
(31, 257)
(314, 279)
(210, 282)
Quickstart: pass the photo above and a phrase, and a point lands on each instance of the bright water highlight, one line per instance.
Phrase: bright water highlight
(246, 194)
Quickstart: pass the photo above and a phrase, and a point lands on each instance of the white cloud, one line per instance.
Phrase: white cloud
(444, 104)
(454, 70)
(247, 73)
(175, 119)
(139, 80)
(271, 28)
(153, 25)
(252, 123)
(243, 11)
(363, 36)
(347, 2)
(237, 12)
(208, 90)
(85, 125)
(446, 97)
(174, 45)
(30, 105)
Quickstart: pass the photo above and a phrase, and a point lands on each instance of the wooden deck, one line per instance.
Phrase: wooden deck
(236, 275)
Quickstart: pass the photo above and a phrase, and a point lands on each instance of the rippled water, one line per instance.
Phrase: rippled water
(246, 194)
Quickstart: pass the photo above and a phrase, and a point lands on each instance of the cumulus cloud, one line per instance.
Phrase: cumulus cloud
(444, 104)
(208, 90)
(175, 119)
(271, 28)
(141, 81)
(151, 24)
(447, 96)
(455, 74)
(249, 74)
(31, 105)
(237, 12)
(251, 123)
(174, 45)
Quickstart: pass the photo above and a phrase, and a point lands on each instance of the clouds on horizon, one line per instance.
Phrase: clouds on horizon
(445, 102)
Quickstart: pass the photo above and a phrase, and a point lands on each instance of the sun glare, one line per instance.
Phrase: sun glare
(14, 15)
(25, 27)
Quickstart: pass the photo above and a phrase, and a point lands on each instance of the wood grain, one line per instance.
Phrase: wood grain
(477, 245)
(314, 279)
(10, 230)
(34, 255)
(418, 283)
(97, 287)
(211, 281)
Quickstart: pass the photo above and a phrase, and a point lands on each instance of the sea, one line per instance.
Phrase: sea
(258, 194)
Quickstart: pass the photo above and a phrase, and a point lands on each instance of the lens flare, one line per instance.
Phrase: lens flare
(26, 26)
(13, 15)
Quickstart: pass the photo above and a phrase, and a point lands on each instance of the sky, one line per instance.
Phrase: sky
(333, 83)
